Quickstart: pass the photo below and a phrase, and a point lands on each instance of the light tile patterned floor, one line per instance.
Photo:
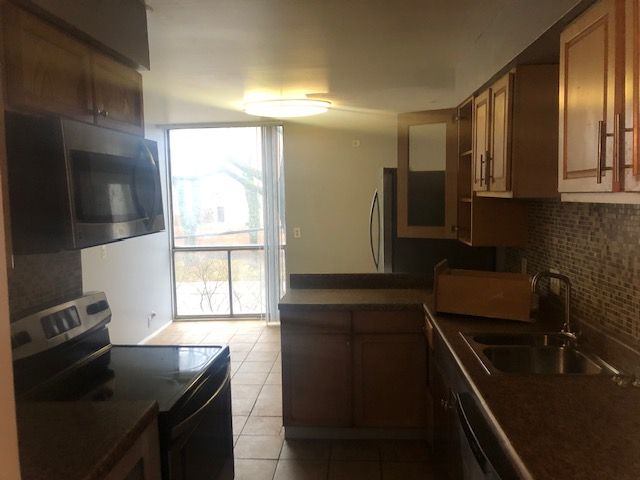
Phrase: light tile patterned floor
(261, 453)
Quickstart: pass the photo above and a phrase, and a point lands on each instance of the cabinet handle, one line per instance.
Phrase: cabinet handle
(617, 135)
(102, 112)
(482, 162)
(488, 167)
(602, 148)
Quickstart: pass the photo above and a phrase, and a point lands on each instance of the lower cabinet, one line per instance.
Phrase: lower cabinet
(142, 460)
(354, 369)
(389, 380)
(316, 379)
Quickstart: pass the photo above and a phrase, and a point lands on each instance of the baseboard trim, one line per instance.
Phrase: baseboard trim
(149, 337)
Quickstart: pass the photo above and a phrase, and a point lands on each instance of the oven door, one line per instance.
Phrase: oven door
(201, 444)
(114, 185)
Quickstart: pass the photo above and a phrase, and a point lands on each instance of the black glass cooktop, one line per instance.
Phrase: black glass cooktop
(161, 373)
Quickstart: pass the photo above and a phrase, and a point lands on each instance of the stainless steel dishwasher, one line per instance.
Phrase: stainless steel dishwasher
(482, 457)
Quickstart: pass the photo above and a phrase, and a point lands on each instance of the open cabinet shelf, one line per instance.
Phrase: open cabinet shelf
(483, 222)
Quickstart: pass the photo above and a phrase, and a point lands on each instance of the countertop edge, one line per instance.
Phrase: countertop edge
(113, 456)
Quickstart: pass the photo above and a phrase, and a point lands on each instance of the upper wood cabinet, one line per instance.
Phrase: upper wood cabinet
(632, 97)
(118, 95)
(46, 69)
(50, 71)
(588, 101)
(499, 177)
(515, 135)
(427, 174)
(482, 221)
(481, 134)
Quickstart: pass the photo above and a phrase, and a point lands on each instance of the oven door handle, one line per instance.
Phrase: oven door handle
(192, 419)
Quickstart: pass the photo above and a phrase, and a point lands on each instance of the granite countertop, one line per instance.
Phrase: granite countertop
(78, 440)
(569, 427)
(349, 299)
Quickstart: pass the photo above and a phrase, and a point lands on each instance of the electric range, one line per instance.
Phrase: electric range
(64, 353)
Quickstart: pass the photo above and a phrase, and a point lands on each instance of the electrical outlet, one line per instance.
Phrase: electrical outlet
(103, 252)
(150, 318)
(297, 232)
(554, 283)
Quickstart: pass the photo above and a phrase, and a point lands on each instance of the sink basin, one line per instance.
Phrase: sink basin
(541, 360)
(528, 339)
(534, 353)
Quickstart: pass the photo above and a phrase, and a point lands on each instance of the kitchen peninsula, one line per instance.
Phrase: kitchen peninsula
(543, 426)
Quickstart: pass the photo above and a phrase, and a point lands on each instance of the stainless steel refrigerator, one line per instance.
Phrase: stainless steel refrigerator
(389, 253)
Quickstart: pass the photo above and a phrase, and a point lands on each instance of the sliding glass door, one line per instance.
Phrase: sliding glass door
(226, 184)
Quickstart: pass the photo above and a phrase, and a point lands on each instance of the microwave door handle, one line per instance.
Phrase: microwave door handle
(156, 186)
(150, 214)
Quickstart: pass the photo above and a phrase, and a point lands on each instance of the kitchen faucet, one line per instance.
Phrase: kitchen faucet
(566, 327)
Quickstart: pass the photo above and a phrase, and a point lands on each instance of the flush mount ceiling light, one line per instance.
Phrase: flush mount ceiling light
(286, 108)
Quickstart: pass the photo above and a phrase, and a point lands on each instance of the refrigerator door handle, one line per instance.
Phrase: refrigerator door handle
(375, 205)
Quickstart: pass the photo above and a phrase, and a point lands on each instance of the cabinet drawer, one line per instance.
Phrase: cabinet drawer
(399, 321)
(319, 321)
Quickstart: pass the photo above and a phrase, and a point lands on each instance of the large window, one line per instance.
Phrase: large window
(220, 186)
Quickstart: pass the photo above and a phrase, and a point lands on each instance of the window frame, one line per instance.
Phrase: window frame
(228, 248)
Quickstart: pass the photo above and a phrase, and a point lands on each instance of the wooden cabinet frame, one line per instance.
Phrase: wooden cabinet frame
(406, 120)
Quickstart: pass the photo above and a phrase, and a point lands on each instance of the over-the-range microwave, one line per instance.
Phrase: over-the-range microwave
(74, 185)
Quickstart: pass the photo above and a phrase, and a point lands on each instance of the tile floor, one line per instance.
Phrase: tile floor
(261, 453)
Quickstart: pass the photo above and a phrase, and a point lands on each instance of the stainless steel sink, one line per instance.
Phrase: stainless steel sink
(538, 353)
(528, 339)
(541, 360)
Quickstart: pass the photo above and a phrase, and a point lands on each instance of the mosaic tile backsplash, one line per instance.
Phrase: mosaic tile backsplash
(598, 247)
(43, 280)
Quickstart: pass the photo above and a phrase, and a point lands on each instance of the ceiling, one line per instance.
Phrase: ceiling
(370, 58)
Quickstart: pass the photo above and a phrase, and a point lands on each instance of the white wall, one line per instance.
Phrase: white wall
(135, 274)
(329, 185)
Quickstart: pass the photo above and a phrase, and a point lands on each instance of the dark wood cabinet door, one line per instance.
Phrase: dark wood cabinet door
(390, 380)
(118, 95)
(47, 70)
(316, 379)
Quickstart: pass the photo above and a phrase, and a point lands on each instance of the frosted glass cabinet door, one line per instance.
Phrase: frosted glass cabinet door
(587, 101)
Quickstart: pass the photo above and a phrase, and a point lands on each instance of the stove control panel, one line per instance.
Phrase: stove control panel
(51, 327)
(60, 322)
